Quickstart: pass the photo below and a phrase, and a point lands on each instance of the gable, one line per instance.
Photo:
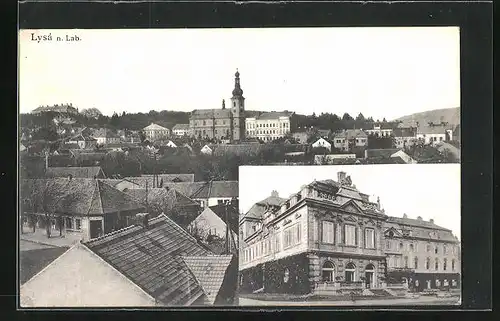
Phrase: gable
(350, 219)
(393, 231)
(352, 207)
(97, 282)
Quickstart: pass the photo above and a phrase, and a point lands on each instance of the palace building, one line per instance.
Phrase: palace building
(330, 238)
(224, 123)
(268, 126)
(328, 234)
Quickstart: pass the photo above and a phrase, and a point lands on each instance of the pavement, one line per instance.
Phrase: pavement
(392, 302)
(40, 237)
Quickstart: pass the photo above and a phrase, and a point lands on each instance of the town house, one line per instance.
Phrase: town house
(349, 139)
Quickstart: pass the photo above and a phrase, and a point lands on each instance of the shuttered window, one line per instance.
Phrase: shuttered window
(328, 232)
(350, 234)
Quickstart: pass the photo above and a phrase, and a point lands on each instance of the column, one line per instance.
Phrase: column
(314, 270)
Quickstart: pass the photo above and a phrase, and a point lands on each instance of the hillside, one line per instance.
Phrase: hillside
(449, 115)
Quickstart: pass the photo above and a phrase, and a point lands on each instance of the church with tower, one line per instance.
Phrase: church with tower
(222, 123)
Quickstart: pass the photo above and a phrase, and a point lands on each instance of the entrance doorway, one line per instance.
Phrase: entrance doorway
(95, 229)
(370, 275)
(349, 272)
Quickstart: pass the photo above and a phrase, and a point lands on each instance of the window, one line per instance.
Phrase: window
(388, 245)
(428, 248)
(350, 272)
(78, 224)
(277, 245)
(234, 104)
(369, 238)
(328, 272)
(401, 245)
(445, 250)
(428, 263)
(328, 232)
(415, 263)
(412, 248)
(350, 234)
(436, 264)
(286, 276)
(445, 261)
(204, 123)
(292, 236)
(406, 261)
(436, 250)
(453, 265)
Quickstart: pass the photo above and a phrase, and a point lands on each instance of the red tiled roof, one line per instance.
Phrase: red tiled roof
(152, 258)
(209, 271)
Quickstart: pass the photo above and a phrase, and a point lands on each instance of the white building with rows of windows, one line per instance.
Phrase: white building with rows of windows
(268, 126)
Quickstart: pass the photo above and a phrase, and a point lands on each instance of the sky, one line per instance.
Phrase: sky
(431, 191)
(380, 72)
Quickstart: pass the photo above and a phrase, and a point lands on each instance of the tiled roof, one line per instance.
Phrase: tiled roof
(181, 127)
(154, 127)
(432, 130)
(209, 271)
(104, 132)
(380, 153)
(259, 208)
(210, 113)
(384, 125)
(76, 172)
(351, 133)
(33, 261)
(80, 196)
(447, 235)
(152, 258)
(167, 178)
(169, 198)
(91, 157)
(405, 132)
(197, 190)
(81, 137)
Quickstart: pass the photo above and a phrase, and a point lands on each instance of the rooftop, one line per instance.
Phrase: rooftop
(211, 189)
(351, 133)
(154, 258)
(154, 126)
(76, 172)
(210, 113)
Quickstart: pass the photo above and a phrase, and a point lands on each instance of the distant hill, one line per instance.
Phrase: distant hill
(449, 115)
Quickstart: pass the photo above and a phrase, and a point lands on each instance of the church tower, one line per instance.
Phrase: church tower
(238, 110)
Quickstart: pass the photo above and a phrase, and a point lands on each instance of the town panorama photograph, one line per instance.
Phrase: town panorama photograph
(132, 142)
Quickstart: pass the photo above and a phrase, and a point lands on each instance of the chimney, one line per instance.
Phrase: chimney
(405, 216)
(142, 219)
(431, 221)
(419, 218)
(46, 161)
(223, 104)
(378, 202)
(274, 194)
(341, 176)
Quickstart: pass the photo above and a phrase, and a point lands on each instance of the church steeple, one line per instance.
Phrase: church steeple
(237, 91)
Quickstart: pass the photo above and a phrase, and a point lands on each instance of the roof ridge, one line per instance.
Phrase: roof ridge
(92, 198)
(110, 234)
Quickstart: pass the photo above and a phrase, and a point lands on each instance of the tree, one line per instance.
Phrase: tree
(347, 117)
(360, 118)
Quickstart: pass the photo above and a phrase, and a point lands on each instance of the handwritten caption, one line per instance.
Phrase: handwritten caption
(49, 37)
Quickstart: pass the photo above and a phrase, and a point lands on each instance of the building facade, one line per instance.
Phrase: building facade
(268, 126)
(330, 238)
(156, 132)
(327, 235)
(181, 129)
(349, 139)
(222, 124)
(421, 254)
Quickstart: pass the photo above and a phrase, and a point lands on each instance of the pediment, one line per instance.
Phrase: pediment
(350, 219)
(392, 231)
(352, 207)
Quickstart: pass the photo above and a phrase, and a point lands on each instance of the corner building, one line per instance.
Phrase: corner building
(224, 123)
(327, 235)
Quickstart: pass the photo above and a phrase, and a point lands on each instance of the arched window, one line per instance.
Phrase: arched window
(415, 262)
(350, 270)
(401, 246)
(453, 265)
(328, 272)
(436, 264)
(428, 263)
(445, 261)
(406, 262)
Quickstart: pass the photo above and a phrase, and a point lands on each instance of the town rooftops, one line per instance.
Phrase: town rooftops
(79, 196)
(232, 214)
(154, 126)
(181, 127)
(213, 189)
(169, 198)
(159, 257)
(76, 172)
(167, 178)
(432, 130)
(381, 153)
(404, 132)
(351, 133)
(237, 149)
(104, 132)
